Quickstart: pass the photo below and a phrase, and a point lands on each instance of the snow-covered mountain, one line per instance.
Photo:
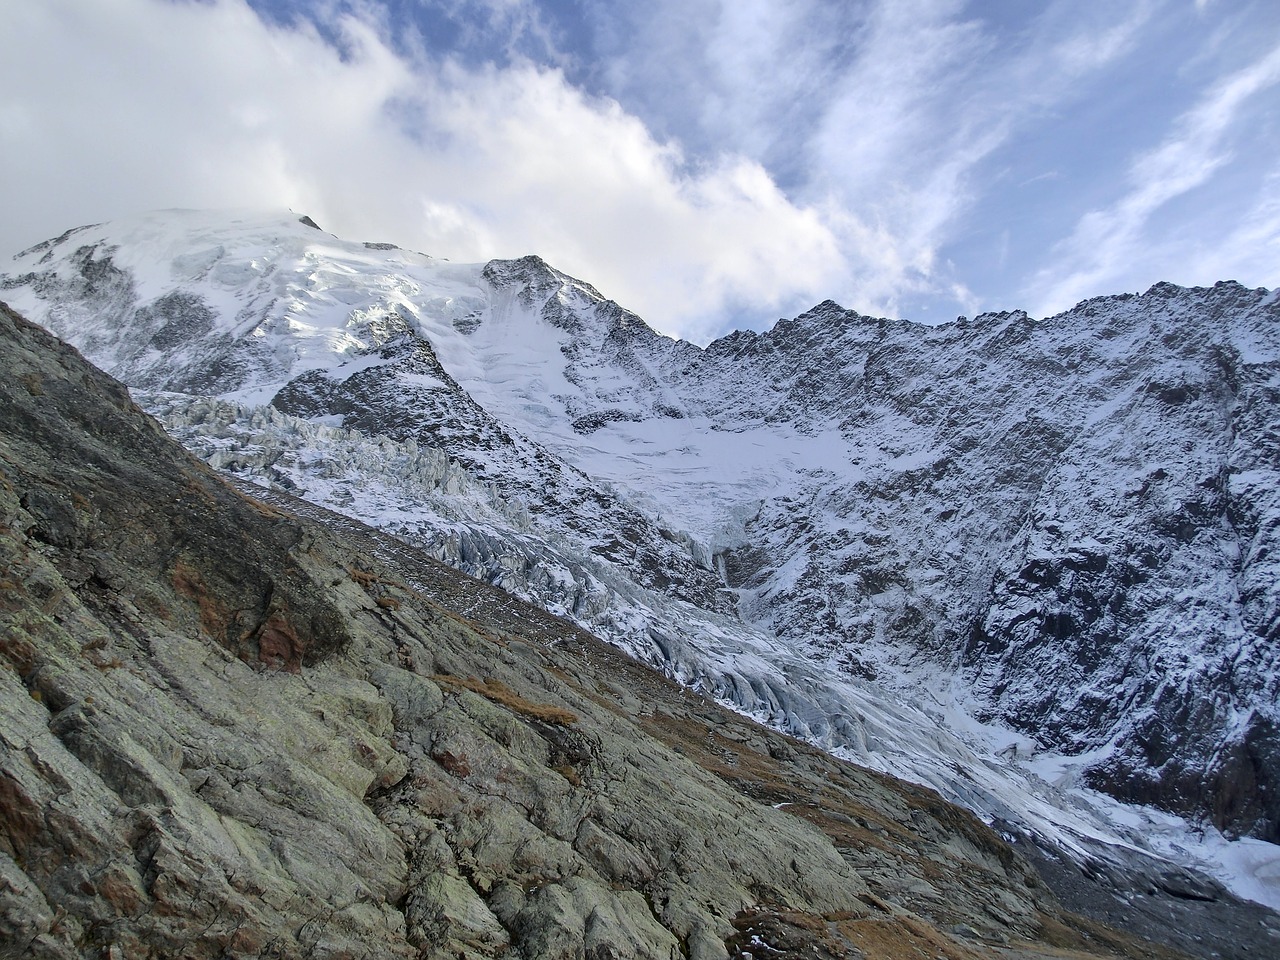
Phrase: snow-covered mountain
(863, 531)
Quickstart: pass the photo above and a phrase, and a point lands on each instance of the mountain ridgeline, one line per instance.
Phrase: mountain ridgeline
(1071, 521)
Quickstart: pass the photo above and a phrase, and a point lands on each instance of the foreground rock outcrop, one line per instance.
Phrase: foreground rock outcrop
(229, 731)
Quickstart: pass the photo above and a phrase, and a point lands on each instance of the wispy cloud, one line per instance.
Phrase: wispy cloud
(880, 113)
(502, 30)
(1107, 242)
(1250, 251)
(929, 99)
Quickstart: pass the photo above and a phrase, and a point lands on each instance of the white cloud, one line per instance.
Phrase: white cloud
(807, 149)
(109, 109)
(1250, 251)
(881, 113)
(1115, 242)
(930, 95)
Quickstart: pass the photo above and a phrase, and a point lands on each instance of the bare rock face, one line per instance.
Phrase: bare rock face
(228, 731)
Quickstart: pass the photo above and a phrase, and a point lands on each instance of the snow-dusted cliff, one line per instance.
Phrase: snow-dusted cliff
(1064, 526)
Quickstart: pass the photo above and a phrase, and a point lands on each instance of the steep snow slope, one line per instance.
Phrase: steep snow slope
(1074, 516)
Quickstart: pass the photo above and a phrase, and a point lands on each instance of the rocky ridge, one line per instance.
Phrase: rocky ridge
(230, 731)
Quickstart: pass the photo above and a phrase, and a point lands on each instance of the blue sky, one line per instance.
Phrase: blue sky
(710, 165)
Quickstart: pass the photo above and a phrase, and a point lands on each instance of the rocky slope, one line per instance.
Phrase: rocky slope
(1066, 525)
(229, 731)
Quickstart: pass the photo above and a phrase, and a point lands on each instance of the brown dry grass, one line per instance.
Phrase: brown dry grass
(498, 692)
(363, 577)
(189, 582)
(766, 779)
(781, 934)
(1075, 936)
(905, 938)
(17, 649)
(566, 770)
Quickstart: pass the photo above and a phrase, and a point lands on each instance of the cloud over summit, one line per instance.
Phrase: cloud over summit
(707, 164)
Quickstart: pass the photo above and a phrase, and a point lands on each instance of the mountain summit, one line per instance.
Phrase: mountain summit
(852, 528)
